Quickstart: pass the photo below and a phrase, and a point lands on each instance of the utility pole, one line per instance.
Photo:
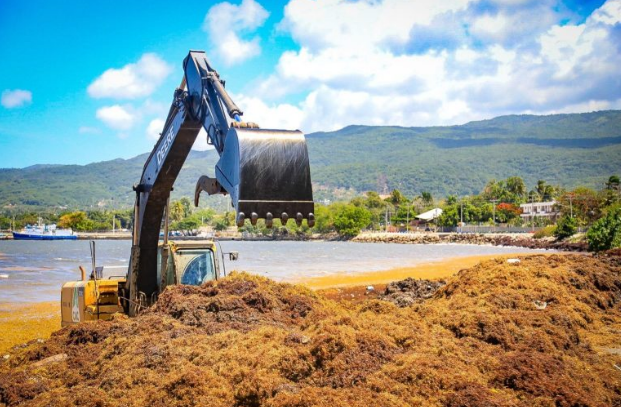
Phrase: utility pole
(461, 225)
(386, 220)
(571, 208)
(113, 224)
(493, 201)
(407, 222)
(532, 215)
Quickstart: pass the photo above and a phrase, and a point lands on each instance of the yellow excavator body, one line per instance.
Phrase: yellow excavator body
(89, 300)
(98, 298)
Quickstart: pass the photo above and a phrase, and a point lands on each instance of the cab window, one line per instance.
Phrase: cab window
(197, 266)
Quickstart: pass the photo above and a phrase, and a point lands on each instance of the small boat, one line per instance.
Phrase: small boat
(44, 232)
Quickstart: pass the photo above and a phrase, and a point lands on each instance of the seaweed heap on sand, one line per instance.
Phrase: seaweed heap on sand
(542, 332)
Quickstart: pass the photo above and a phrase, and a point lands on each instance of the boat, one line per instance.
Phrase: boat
(44, 232)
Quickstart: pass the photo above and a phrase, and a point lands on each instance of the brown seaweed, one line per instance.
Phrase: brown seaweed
(543, 332)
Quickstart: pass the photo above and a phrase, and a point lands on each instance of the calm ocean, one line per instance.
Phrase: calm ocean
(34, 271)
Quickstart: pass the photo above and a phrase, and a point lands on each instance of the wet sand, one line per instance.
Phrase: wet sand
(432, 271)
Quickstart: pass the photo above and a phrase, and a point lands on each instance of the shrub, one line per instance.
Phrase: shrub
(565, 227)
(350, 219)
(220, 223)
(548, 231)
(605, 234)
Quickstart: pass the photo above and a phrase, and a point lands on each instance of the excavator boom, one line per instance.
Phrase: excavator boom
(266, 172)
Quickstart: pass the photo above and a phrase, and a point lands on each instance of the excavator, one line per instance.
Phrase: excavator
(265, 172)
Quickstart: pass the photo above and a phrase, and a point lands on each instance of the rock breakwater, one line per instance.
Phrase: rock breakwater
(518, 240)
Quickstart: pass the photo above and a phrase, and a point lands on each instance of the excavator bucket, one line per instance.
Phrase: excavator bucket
(267, 173)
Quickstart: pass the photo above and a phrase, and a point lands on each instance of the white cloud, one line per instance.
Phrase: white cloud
(154, 129)
(493, 27)
(132, 81)
(227, 23)
(117, 117)
(360, 25)
(609, 13)
(15, 98)
(281, 116)
(201, 142)
(359, 63)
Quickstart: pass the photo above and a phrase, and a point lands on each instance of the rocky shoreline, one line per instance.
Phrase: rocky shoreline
(518, 240)
(494, 239)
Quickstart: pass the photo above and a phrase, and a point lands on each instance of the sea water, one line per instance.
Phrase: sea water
(34, 271)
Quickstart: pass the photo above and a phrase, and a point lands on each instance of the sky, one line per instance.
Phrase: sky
(84, 81)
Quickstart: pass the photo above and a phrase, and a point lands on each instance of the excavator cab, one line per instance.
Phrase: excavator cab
(190, 263)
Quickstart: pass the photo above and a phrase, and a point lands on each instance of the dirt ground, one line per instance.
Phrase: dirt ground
(545, 331)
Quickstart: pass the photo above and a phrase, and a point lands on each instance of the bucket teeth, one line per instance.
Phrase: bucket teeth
(311, 220)
(269, 219)
(298, 219)
(241, 217)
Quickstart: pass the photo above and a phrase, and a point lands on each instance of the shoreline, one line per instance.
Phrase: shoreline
(433, 270)
(23, 322)
(523, 240)
(491, 239)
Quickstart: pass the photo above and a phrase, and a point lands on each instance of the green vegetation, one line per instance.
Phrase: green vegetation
(565, 227)
(568, 150)
(468, 171)
(350, 219)
(547, 231)
(605, 234)
(497, 204)
(76, 220)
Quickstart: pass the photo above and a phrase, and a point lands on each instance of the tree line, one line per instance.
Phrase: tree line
(497, 204)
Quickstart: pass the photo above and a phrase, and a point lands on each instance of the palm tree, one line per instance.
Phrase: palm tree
(516, 186)
(545, 191)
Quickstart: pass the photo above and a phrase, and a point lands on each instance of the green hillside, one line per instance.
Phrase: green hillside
(566, 150)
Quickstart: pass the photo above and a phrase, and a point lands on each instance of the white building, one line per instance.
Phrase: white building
(430, 216)
(539, 210)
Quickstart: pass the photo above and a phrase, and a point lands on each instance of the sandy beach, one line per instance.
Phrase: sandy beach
(431, 271)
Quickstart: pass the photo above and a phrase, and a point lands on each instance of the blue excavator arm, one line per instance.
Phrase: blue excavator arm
(266, 172)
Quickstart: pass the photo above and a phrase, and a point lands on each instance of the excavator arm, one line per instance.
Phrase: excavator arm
(266, 172)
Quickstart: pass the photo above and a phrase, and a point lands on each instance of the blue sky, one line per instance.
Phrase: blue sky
(91, 81)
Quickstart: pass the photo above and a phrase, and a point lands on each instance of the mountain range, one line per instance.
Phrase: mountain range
(565, 149)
